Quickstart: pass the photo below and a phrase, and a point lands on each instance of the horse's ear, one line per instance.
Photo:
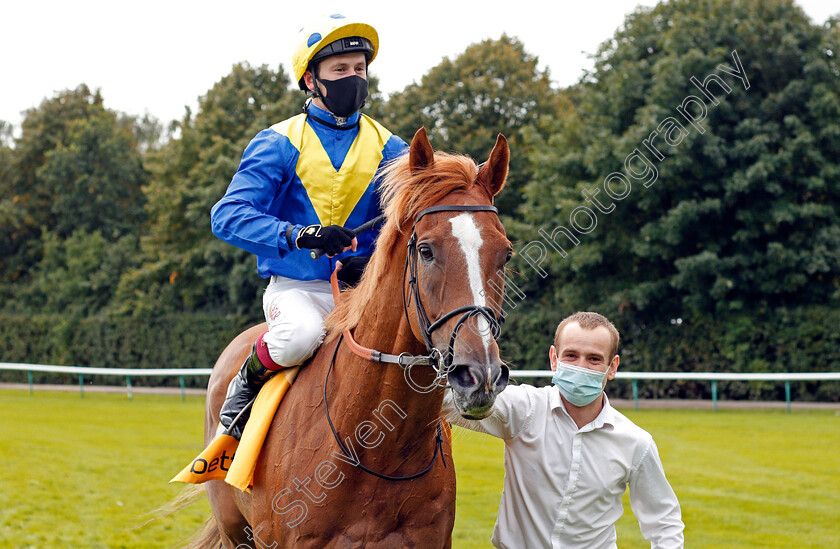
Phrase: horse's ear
(421, 154)
(494, 172)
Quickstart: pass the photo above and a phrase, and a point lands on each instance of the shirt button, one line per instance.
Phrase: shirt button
(336, 204)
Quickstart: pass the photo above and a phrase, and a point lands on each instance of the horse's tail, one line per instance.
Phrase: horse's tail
(209, 537)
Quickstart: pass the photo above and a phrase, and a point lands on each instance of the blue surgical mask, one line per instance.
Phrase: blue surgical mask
(579, 386)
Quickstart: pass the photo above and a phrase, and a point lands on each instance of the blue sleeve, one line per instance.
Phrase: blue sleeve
(241, 217)
(394, 148)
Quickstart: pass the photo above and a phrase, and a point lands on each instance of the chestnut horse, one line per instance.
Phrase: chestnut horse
(428, 291)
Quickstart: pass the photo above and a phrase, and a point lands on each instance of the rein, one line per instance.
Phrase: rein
(356, 461)
(436, 359)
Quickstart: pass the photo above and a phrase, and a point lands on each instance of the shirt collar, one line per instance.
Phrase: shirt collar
(607, 416)
(318, 112)
(605, 419)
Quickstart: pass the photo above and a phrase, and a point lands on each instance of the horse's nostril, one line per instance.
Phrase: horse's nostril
(502, 378)
(461, 376)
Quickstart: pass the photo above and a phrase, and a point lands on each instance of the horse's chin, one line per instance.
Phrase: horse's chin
(477, 415)
(479, 412)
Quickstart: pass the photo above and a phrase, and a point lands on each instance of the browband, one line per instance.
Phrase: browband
(455, 208)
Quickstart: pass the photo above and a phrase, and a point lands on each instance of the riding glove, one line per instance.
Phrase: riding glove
(352, 269)
(332, 239)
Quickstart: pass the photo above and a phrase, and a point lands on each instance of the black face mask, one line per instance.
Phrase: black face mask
(345, 95)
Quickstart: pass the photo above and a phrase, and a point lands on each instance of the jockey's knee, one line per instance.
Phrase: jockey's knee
(297, 344)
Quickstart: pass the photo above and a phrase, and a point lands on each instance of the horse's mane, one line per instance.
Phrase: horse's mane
(404, 194)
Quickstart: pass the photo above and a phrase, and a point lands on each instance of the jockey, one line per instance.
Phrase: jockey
(301, 185)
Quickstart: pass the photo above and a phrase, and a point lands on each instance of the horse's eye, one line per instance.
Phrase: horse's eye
(426, 253)
(509, 255)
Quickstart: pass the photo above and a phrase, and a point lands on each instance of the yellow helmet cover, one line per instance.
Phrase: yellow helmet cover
(330, 32)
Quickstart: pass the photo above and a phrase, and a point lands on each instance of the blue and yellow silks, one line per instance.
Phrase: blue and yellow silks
(302, 172)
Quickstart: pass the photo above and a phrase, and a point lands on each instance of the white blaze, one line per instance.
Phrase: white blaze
(469, 237)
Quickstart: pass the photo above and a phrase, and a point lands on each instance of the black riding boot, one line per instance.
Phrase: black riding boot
(243, 389)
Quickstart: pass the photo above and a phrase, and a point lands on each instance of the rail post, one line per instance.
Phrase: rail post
(714, 394)
(636, 394)
(787, 395)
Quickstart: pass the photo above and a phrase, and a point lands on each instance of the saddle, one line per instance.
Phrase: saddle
(216, 461)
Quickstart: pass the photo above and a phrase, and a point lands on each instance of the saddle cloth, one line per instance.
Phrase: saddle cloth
(217, 460)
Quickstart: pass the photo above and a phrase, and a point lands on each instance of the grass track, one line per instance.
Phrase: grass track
(81, 472)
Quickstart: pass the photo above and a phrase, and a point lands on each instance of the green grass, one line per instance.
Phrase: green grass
(82, 472)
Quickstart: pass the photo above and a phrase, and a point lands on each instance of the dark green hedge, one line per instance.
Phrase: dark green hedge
(798, 340)
(177, 341)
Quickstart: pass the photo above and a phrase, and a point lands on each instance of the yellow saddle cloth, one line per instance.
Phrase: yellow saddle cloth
(217, 460)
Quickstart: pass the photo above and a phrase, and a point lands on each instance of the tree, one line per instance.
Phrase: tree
(74, 166)
(12, 217)
(43, 129)
(93, 179)
(493, 87)
(76, 274)
(731, 203)
(148, 132)
(6, 135)
(185, 267)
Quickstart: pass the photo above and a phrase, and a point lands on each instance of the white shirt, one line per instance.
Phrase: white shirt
(563, 485)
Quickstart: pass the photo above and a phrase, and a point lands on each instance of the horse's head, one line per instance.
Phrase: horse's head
(456, 264)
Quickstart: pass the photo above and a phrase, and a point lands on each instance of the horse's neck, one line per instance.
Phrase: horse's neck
(381, 390)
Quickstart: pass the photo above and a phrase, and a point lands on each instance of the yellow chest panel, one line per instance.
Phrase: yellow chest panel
(335, 193)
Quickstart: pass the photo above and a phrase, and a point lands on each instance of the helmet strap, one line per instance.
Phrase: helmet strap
(313, 69)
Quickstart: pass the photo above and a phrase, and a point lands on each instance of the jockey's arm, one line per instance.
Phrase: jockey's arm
(242, 216)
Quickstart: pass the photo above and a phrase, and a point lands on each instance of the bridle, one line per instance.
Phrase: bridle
(439, 361)
(466, 312)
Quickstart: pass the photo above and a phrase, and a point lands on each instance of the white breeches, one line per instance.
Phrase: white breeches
(295, 311)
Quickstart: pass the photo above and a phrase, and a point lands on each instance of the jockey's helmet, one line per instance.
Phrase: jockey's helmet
(332, 35)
